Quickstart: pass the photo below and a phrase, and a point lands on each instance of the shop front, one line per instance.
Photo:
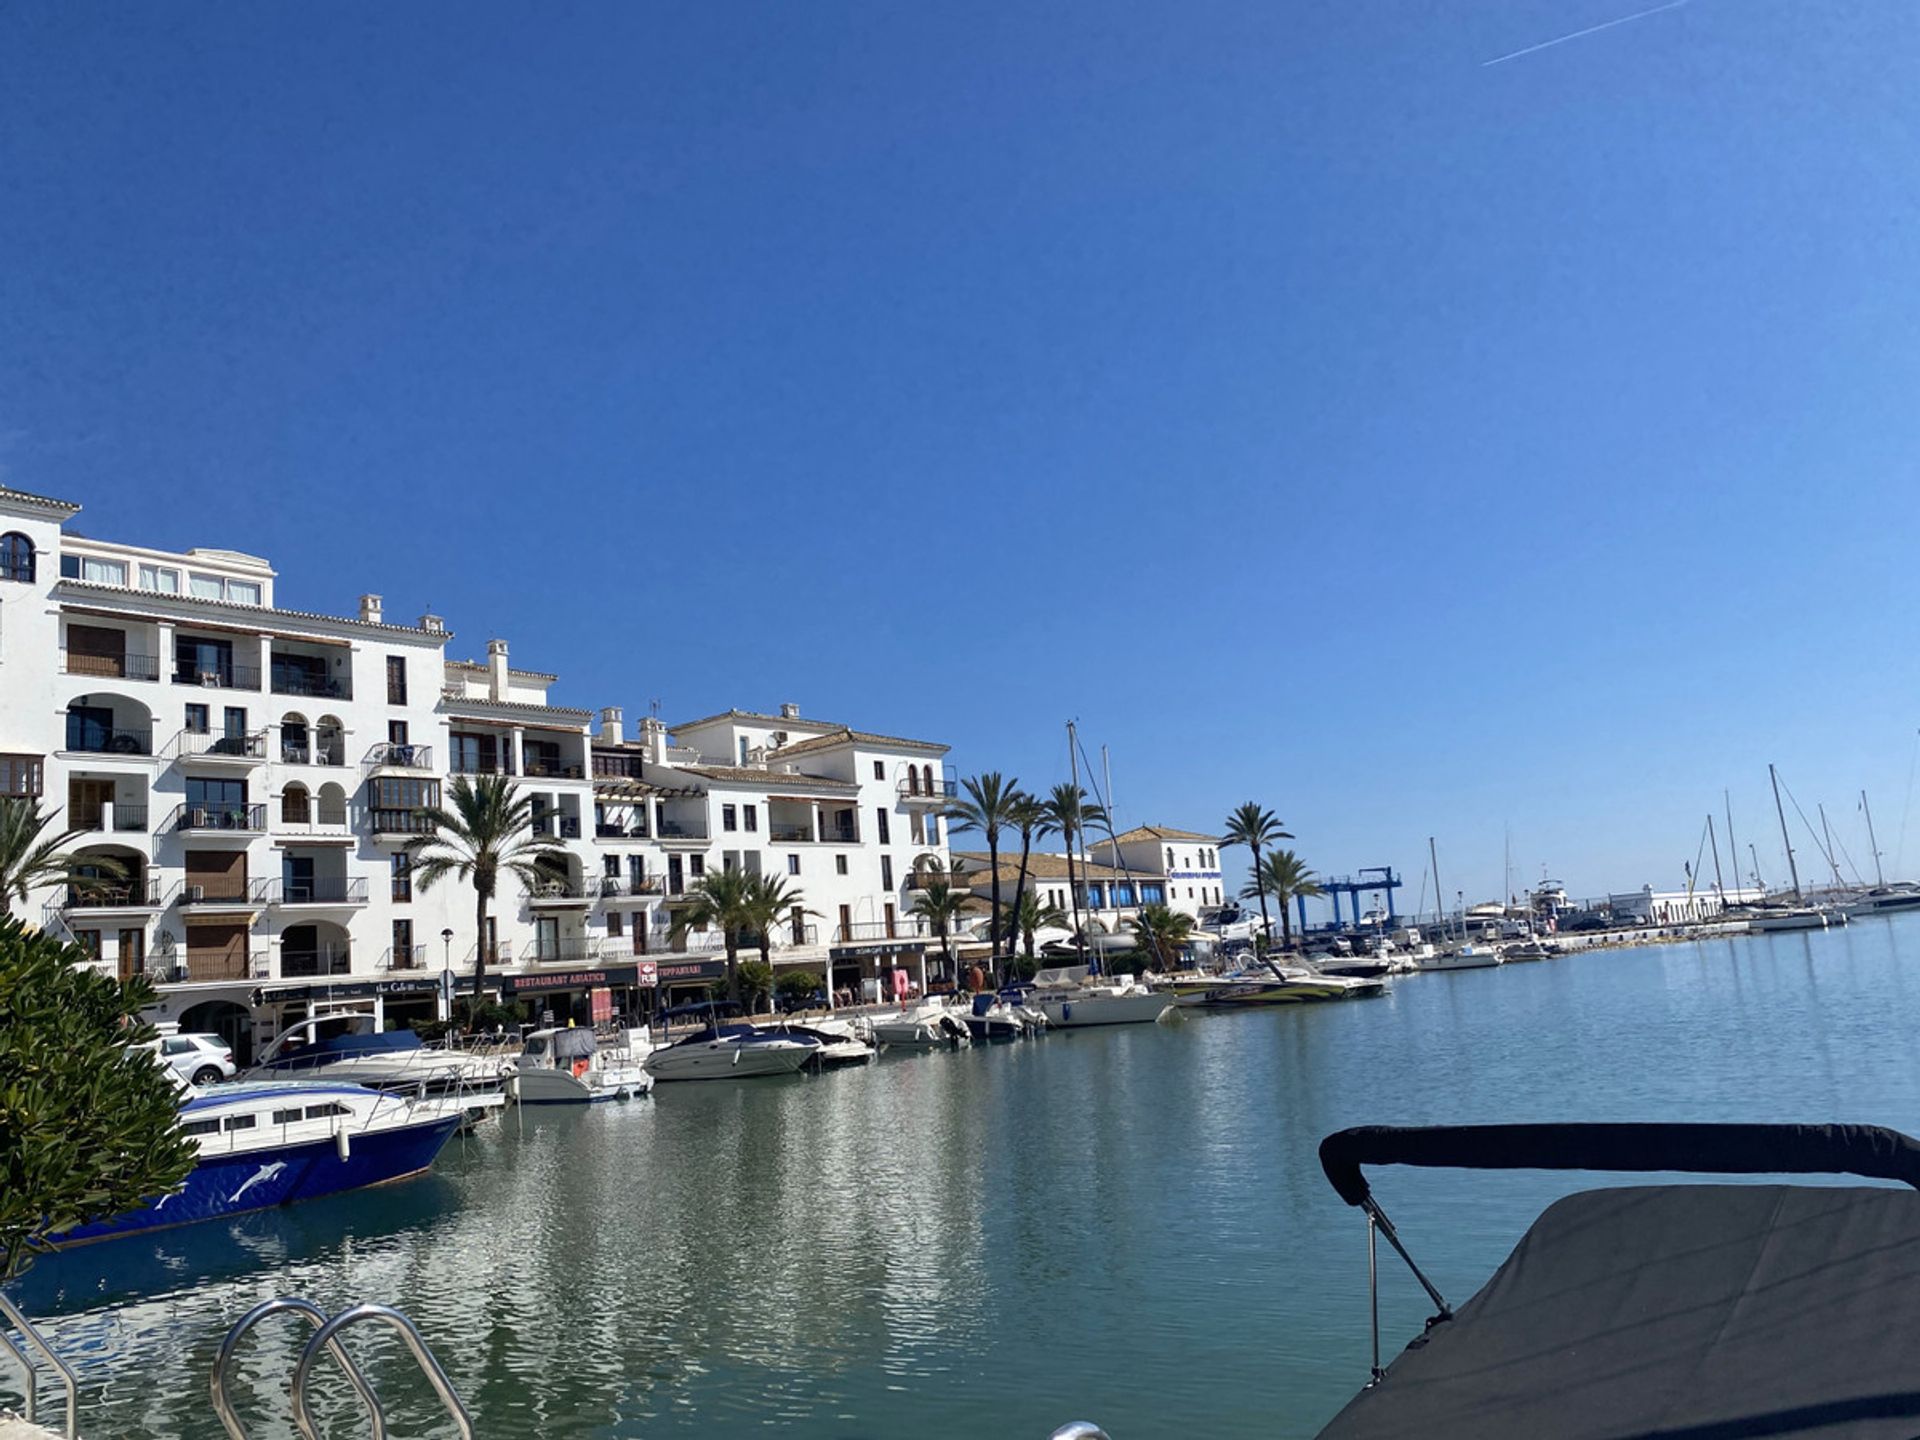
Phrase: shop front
(879, 973)
(409, 1003)
(619, 995)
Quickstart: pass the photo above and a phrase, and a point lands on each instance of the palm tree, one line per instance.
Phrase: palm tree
(1030, 818)
(1161, 932)
(940, 904)
(29, 863)
(988, 807)
(773, 904)
(1068, 814)
(1285, 878)
(1035, 914)
(488, 832)
(1256, 829)
(725, 898)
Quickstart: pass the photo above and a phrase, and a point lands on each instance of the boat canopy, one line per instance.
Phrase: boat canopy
(574, 1044)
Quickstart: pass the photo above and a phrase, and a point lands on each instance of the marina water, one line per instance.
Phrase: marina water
(1128, 1225)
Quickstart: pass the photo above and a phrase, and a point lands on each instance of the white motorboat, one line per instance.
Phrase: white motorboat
(1072, 999)
(1525, 950)
(994, 1017)
(1887, 900)
(730, 1052)
(348, 1048)
(568, 1067)
(1463, 957)
(925, 1027)
(841, 1042)
(1786, 917)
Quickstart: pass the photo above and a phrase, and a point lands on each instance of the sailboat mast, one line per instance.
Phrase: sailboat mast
(1873, 844)
(1073, 766)
(1785, 839)
(1733, 844)
(1439, 900)
(1719, 882)
(1827, 834)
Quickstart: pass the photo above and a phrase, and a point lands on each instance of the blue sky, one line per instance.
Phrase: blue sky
(1319, 415)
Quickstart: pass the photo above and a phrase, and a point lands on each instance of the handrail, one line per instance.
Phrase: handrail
(417, 1347)
(68, 1379)
(315, 1316)
(32, 1387)
(1079, 1430)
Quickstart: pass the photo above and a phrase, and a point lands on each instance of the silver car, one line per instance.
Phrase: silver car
(200, 1059)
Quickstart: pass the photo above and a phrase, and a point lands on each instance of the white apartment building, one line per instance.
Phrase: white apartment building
(258, 773)
(1185, 863)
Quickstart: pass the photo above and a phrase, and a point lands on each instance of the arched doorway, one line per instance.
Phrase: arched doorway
(229, 1021)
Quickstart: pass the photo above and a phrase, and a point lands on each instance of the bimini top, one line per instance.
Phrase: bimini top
(1670, 1312)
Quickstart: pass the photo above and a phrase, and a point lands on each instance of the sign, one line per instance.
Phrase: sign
(567, 980)
(600, 999)
(346, 989)
(878, 950)
(646, 973)
(689, 972)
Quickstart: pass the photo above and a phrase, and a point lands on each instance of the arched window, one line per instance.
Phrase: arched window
(926, 774)
(294, 807)
(16, 557)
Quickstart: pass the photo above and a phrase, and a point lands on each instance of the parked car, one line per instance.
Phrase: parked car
(1589, 920)
(200, 1059)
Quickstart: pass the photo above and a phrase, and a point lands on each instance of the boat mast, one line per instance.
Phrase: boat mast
(1073, 766)
(1832, 864)
(1719, 882)
(1439, 899)
(1873, 844)
(1733, 844)
(1785, 839)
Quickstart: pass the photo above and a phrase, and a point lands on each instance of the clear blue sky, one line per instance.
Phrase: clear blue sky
(1319, 415)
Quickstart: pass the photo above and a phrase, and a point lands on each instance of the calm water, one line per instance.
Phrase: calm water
(1128, 1225)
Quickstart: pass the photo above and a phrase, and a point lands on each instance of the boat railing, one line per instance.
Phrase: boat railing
(10, 1314)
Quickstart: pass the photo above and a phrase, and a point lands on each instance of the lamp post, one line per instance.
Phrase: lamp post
(446, 973)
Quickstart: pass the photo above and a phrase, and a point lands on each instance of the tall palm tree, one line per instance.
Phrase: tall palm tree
(727, 899)
(29, 863)
(487, 833)
(1030, 819)
(940, 904)
(1284, 877)
(1257, 829)
(988, 808)
(1068, 814)
(1036, 914)
(1161, 932)
(773, 903)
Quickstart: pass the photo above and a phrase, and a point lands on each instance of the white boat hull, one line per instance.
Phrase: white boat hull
(560, 1087)
(724, 1060)
(1080, 1011)
(1464, 960)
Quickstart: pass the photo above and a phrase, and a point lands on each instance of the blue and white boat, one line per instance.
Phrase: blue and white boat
(350, 1048)
(271, 1143)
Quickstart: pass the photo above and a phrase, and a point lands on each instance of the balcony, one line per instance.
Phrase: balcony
(400, 822)
(566, 952)
(500, 953)
(110, 667)
(209, 746)
(610, 830)
(399, 757)
(561, 827)
(927, 879)
(228, 891)
(789, 834)
(190, 968)
(323, 890)
(298, 680)
(319, 960)
(232, 819)
(134, 894)
(560, 894)
(537, 768)
(315, 827)
(840, 834)
(411, 957)
(219, 677)
(902, 927)
(925, 792)
(468, 765)
(296, 752)
(612, 887)
(117, 819)
(92, 740)
(681, 830)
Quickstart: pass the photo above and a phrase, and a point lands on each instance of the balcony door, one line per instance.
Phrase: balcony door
(546, 938)
(87, 802)
(296, 878)
(96, 650)
(89, 728)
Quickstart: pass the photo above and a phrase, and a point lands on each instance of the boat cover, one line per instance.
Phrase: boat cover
(1677, 1312)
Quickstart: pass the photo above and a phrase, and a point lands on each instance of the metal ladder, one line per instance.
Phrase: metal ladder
(324, 1338)
(10, 1314)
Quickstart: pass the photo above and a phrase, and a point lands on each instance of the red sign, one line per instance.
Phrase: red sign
(602, 999)
(648, 973)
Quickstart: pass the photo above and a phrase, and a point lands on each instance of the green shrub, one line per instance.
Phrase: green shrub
(796, 984)
(756, 983)
(88, 1126)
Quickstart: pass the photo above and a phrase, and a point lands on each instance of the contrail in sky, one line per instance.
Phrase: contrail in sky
(1577, 34)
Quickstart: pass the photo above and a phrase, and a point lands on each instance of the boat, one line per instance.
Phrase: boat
(1001, 1017)
(1380, 962)
(837, 1042)
(1528, 949)
(1272, 984)
(921, 1027)
(1886, 900)
(349, 1048)
(1072, 999)
(1189, 988)
(1463, 957)
(1782, 917)
(1678, 1309)
(730, 1052)
(567, 1067)
(268, 1143)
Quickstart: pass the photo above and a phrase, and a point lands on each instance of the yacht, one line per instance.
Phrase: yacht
(349, 1048)
(838, 1042)
(1072, 999)
(730, 1052)
(924, 1027)
(1886, 900)
(567, 1067)
(1785, 917)
(269, 1143)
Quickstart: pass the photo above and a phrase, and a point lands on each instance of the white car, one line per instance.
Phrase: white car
(200, 1059)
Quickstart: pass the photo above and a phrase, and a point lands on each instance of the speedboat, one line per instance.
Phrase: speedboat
(1785, 917)
(1887, 900)
(1188, 988)
(1072, 999)
(924, 1027)
(1463, 957)
(1525, 950)
(731, 1052)
(268, 1143)
(838, 1042)
(996, 1017)
(567, 1067)
(1289, 985)
(349, 1048)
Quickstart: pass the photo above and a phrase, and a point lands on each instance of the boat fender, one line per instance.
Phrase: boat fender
(1066, 1011)
(342, 1143)
(737, 1053)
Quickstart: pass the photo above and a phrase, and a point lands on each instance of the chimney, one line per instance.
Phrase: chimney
(370, 609)
(433, 624)
(497, 669)
(789, 710)
(653, 734)
(613, 728)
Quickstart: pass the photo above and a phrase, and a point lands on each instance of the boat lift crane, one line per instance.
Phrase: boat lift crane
(1353, 886)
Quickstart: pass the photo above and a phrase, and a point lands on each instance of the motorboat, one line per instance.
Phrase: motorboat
(1524, 950)
(838, 1042)
(1689, 1309)
(264, 1144)
(1765, 919)
(1379, 963)
(568, 1067)
(349, 1048)
(1472, 956)
(1189, 988)
(1290, 985)
(923, 1027)
(1000, 1017)
(1072, 999)
(1886, 900)
(730, 1052)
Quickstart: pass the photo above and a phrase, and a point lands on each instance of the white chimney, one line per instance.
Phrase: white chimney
(433, 624)
(613, 726)
(497, 669)
(789, 710)
(653, 733)
(370, 609)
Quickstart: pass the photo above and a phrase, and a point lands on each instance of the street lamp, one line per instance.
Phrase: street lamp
(446, 973)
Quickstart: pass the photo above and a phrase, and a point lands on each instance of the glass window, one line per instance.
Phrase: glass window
(697, 865)
(839, 864)
(879, 769)
(242, 1122)
(243, 592)
(286, 1117)
(729, 820)
(160, 578)
(750, 816)
(205, 587)
(881, 829)
(21, 776)
(200, 1127)
(16, 557)
(615, 924)
(793, 864)
(886, 872)
(103, 572)
(197, 719)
